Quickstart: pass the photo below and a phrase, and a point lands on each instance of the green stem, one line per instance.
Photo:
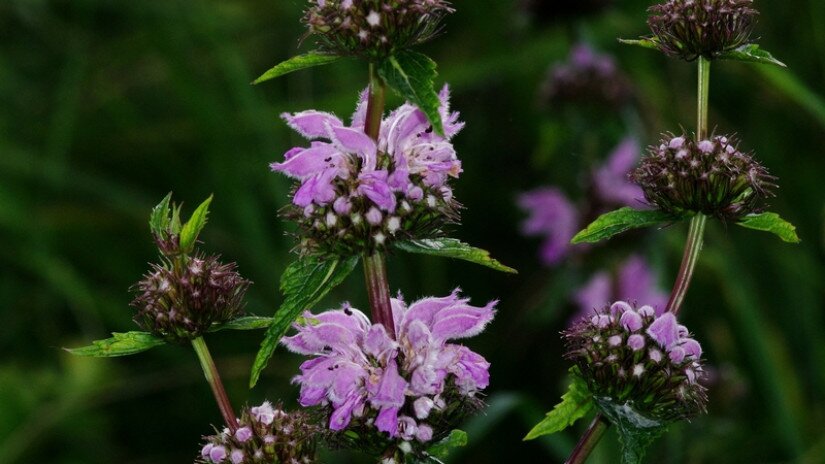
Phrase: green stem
(702, 98)
(210, 371)
(589, 440)
(375, 265)
(693, 247)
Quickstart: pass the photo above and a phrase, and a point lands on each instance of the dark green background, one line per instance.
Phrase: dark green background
(106, 105)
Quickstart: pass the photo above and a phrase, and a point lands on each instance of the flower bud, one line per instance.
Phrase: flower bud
(689, 29)
(710, 176)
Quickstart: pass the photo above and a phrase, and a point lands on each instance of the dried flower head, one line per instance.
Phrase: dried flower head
(408, 392)
(630, 357)
(356, 195)
(266, 434)
(689, 29)
(587, 77)
(181, 301)
(373, 29)
(710, 176)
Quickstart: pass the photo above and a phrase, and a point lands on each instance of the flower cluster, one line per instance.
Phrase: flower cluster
(265, 435)
(710, 176)
(689, 29)
(630, 357)
(412, 389)
(357, 195)
(586, 77)
(180, 301)
(374, 29)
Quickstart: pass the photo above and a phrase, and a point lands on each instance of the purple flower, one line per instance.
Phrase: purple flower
(552, 216)
(362, 374)
(610, 180)
(587, 76)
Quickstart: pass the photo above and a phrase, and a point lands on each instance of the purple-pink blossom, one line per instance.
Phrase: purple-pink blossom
(363, 374)
(610, 180)
(552, 216)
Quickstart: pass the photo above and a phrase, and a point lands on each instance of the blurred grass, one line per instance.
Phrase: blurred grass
(106, 106)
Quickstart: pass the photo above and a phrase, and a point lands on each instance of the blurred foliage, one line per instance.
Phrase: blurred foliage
(106, 106)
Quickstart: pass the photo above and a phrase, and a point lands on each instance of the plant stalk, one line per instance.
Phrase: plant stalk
(693, 247)
(589, 440)
(375, 265)
(703, 97)
(210, 371)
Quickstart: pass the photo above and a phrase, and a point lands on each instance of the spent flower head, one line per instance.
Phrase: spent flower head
(411, 390)
(180, 300)
(711, 176)
(356, 195)
(265, 434)
(689, 29)
(373, 29)
(630, 357)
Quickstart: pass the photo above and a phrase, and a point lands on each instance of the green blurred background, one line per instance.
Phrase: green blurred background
(106, 105)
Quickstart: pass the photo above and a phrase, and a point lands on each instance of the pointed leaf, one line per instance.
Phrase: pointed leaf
(753, 54)
(624, 219)
(159, 219)
(296, 63)
(244, 323)
(771, 222)
(121, 344)
(644, 42)
(453, 248)
(636, 432)
(456, 438)
(303, 284)
(412, 76)
(575, 404)
(190, 231)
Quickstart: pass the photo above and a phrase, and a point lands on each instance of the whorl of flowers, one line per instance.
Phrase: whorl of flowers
(356, 195)
(265, 435)
(689, 29)
(411, 390)
(587, 77)
(374, 29)
(630, 357)
(181, 300)
(710, 176)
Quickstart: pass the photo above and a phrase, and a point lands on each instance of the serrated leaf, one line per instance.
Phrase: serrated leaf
(753, 54)
(244, 323)
(453, 248)
(193, 227)
(175, 223)
(456, 438)
(159, 219)
(643, 42)
(621, 220)
(412, 76)
(636, 432)
(575, 404)
(307, 60)
(303, 284)
(771, 222)
(121, 344)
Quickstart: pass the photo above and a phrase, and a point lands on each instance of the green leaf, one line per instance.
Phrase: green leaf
(193, 227)
(308, 60)
(159, 219)
(412, 76)
(575, 404)
(244, 323)
(121, 344)
(771, 222)
(643, 42)
(621, 220)
(456, 438)
(303, 284)
(453, 248)
(753, 54)
(636, 432)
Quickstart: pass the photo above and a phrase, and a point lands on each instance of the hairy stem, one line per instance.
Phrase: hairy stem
(375, 265)
(693, 247)
(589, 440)
(210, 371)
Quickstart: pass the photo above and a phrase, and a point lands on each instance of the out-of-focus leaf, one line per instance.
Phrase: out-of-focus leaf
(307, 60)
(456, 439)
(771, 222)
(121, 344)
(753, 54)
(792, 87)
(575, 404)
(621, 220)
(412, 76)
(453, 248)
(303, 284)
